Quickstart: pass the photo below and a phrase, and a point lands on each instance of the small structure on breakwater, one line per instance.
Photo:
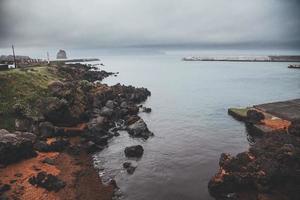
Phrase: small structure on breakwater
(294, 66)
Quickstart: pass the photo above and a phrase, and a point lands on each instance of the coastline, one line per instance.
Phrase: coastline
(71, 118)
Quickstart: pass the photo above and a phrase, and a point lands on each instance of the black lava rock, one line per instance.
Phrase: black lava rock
(47, 181)
(134, 151)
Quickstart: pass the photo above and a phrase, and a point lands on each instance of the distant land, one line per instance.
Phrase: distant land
(285, 58)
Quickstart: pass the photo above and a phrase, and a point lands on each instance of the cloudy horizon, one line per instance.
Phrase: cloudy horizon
(136, 23)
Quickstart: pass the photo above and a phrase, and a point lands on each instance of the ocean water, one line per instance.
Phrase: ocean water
(189, 118)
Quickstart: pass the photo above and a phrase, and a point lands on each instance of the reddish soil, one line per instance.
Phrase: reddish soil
(82, 180)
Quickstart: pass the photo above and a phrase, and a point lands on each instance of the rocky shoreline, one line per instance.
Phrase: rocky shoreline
(269, 170)
(48, 152)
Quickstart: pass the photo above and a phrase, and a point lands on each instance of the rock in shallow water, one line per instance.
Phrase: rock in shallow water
(134, 151)
(139, 129)
(130, 166)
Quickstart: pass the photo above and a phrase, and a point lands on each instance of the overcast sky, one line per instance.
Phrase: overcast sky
(105, 23)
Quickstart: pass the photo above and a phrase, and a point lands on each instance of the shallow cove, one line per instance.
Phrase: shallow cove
(189, 119)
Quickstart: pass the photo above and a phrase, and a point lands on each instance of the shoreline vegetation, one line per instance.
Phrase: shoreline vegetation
(53, 118)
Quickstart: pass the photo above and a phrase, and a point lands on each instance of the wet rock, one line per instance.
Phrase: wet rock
(254, 116)
(146, 110)
(130, 170)
(97, 124)
(225, 160)
(139, 129)
(132, 119)
(134, 151)
(126, 164)
(97, 131)
(130, 167)
(133, 110)
(47, 181)
(113, 183)
(93, 76)
(16, 146)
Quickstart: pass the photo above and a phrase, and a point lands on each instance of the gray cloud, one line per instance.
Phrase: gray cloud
(94, 23)
(3, 22)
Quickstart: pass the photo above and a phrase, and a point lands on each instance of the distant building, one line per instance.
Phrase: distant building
(61, 54)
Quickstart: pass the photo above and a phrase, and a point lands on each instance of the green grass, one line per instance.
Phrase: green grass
(23, 87)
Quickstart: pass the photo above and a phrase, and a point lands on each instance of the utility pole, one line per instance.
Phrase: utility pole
(48, 57)
(13, 49)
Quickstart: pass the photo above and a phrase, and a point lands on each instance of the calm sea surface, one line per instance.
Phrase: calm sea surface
(189, 119)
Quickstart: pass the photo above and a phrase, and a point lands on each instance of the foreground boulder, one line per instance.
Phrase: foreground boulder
(16, 146)
(47, 181)
(134, 151)
(139, 129)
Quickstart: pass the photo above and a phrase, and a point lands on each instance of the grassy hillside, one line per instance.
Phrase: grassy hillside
(23, 87)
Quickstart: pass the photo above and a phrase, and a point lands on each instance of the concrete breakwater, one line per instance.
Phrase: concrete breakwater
(74, 60)
(281, 58)
(294, 66)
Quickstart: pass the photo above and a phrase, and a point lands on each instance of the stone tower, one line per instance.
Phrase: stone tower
(61, 54)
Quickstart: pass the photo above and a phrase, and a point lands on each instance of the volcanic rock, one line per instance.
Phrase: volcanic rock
(16, 146)
(47, 181)
(134, 151)
(139, 129)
